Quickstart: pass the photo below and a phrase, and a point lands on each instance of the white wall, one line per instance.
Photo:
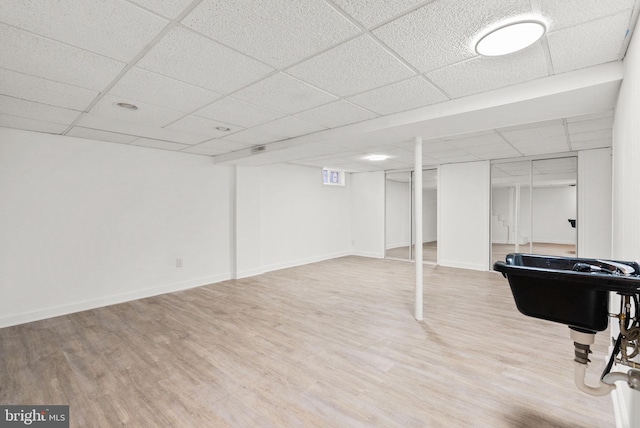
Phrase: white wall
(626, 190)
(301, 220)
(398, 214)
(464, 209)
(248, 244)
(594, 203)
(429, 215)
(367, 213)
(552, 207)
(84, 223)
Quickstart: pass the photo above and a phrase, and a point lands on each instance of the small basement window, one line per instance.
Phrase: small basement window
(332, 177)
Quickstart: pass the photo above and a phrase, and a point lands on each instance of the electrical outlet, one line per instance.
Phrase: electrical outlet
(178, 262)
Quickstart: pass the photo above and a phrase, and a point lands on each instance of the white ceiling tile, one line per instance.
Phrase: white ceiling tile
(394, 152)
(553, 140)
(435, 146)
(357, 167)
(8, 121)
(591, 144)
(442, 32)
(566, 13)
(37, 56)
(486, 139)
(190, 57)
(336, 114)
(483, 74)
(323, 162)
(601, 115)
(238, 112)
(314, 162)
(531, 133)
(278, 33)
(496, 151)
(451, 154)
(545, 166)
(593, 135)
(31, 88)
(428, 146)
(543, 149)
(144, 114)
(532, 125)
(96, 134)
(140, 130)
(605, 123)
(254, 136)
(202, 126)
(400, 96)
(467, 135)
(386, 164)
(588, 44)
(113, 28)
(32, 110)
(490, 148)
(285, 94)
(170, 9)
(197, 150)
(498, 154)
(289, 126)
(158, 144)
(156, 89)
(372, 12)
(355, 66)
(223, 145)
(514, 168)
(455, 158)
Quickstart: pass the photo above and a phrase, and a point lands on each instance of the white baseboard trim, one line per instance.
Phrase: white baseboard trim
(305, 261)
(462, 265)
(248, 273)
(553, 241)
(371, 254)
(70, 308)
(398, 245)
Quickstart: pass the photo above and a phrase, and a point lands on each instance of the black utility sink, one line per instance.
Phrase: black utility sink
(571, 291)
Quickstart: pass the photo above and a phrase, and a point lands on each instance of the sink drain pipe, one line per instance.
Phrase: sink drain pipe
(582, 342)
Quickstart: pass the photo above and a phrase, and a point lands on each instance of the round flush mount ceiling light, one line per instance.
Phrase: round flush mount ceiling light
(510, 38)
(223, 128)
(127, 106)
(376, 157)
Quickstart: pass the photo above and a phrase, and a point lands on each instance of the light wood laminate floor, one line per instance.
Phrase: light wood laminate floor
(330, 344)
(429, 252)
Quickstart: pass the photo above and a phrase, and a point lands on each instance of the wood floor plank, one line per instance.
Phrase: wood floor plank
(328, 344)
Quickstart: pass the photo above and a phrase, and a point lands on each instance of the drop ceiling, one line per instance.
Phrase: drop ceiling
(319, 82)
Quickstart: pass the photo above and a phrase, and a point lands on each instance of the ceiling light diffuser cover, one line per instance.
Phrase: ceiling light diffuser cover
(510, 38)
(376, 157)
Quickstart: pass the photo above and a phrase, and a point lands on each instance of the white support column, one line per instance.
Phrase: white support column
(517, 220)
(417, 187)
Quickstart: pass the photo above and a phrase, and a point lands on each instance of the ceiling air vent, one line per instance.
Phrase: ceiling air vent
(258, 149)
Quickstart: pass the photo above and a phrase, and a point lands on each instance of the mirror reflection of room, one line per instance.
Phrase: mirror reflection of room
(554, 203)
(398, 230)
(400, 223)
(542, 221)
(429, 215)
